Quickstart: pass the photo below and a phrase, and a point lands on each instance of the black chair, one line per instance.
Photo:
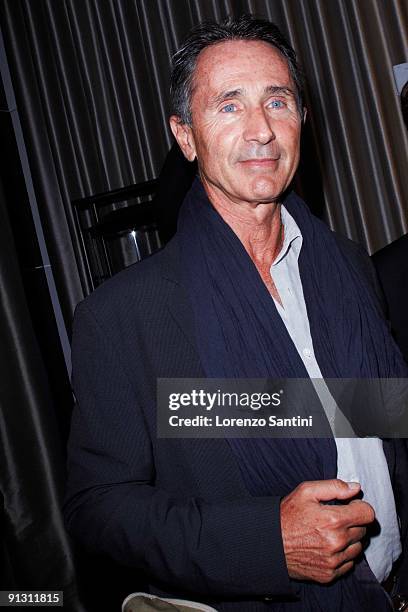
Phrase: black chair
(117, 228)
(120, 227)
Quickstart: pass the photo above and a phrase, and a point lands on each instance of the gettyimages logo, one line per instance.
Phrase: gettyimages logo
(208, 401)
(282, 408)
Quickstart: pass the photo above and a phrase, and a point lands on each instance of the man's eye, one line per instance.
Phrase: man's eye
(229, 108)
(277, 104)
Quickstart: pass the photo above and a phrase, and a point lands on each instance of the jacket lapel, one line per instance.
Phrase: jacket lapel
(178, 301)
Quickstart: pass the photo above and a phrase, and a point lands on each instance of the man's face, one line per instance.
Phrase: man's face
(245, 122)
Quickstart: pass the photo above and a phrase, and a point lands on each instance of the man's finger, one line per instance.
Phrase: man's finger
(348, 537)
(331, 575)
(356, 534)
(326, 490)
(357, 513)
(350, 553)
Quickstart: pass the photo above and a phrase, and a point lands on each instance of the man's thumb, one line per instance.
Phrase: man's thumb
(326, 490)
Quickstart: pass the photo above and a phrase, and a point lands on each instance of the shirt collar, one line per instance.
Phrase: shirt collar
(292, 238)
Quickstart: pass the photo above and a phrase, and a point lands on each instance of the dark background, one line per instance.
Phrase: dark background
(83, 110)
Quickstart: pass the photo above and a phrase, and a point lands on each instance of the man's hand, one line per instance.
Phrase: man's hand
(321, 541)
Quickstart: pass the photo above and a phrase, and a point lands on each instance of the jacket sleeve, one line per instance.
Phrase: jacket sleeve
(227, 548)
(366, 267)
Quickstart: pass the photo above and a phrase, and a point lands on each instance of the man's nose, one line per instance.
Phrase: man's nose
(259, 126)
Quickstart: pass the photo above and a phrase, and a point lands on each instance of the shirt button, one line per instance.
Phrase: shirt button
(307, 353)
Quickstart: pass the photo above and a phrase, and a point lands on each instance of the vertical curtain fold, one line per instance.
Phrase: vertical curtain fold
(348, 50)
(91, 80)
(32, 467)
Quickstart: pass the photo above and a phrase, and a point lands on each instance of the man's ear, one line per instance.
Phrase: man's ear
(184, 136)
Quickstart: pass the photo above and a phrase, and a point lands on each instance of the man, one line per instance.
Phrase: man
(249, 287)
(391, 263)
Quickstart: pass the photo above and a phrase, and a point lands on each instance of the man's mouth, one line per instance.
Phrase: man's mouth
(260, 161)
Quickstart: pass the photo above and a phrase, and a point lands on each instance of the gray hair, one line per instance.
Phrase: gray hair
(209, 33)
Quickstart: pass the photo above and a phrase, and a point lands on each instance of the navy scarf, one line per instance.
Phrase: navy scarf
(240, 334)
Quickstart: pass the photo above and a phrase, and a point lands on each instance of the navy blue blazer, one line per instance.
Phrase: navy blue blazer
(176, 509)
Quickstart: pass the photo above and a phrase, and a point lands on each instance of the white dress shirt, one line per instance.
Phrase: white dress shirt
(358, 459)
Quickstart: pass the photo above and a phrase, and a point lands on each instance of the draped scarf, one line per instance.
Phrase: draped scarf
(240, 334)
